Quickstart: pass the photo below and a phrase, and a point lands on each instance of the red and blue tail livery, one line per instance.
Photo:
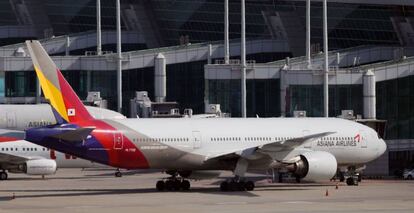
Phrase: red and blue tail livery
(76, 131)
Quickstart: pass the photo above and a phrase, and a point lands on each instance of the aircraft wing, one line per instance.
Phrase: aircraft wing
(267, 148)
(6, 158)
(292, 143)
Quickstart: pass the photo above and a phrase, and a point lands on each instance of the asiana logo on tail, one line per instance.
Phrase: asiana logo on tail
(339, 141)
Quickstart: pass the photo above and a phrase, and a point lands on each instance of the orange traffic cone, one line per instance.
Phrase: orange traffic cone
(326, 193)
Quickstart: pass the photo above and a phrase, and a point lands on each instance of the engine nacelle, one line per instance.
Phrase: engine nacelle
(39, 167)
(315, 166)
(199, 175)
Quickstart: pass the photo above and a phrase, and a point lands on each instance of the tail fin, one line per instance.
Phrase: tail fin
(65, 103)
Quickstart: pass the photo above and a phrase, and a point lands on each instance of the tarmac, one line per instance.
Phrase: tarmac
(73, 190)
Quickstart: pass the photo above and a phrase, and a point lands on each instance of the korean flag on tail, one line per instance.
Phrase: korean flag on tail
(71, 112)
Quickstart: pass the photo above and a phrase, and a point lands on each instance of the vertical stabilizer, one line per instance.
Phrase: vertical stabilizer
(66, 104)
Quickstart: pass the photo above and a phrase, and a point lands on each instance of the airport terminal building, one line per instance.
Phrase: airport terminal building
(371, 42)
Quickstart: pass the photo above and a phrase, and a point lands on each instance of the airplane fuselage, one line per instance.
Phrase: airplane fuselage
(189, 143)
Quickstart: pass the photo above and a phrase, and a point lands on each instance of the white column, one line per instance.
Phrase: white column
(308, 34)
(160, 78)
(283, 94)
(243, 59)
(98, 28)
(369, 95)
(119, 56)
(326, 67)
(67, 49)
(226, 32)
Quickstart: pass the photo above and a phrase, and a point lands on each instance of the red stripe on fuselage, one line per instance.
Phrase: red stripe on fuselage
(8, 139)
(128, 157)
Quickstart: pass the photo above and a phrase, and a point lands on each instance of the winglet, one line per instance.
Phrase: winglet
(66, 104)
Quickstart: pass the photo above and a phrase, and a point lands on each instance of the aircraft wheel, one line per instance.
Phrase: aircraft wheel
(160, 185)
(118, 174)
(249, 185)
(3, 176)
(169, 185)
(185, 185)
(224, 186)
(350, 181)
(176, 185)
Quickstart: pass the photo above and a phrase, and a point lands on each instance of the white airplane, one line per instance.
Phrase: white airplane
(311, 148)
(20, 156)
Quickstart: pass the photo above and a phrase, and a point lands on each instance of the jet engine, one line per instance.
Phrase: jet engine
(315, 166)
(36, 167)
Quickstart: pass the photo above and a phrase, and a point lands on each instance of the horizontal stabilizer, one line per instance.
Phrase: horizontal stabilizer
(11, 135)
(75, 135)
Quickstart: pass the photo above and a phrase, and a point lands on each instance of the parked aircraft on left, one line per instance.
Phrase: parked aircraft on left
(20, 156)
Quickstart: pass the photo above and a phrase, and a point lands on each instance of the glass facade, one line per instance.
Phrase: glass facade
(309, 98)
(20, 84)
(395, 103)
(202, 20)
(185, 84)
(263, 96)
(73, 16)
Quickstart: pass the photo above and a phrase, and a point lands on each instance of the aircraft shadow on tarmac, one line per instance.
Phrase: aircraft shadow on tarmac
(40, 193)
(91, 192)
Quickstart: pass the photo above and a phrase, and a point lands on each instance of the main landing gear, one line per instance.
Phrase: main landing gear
(3, 175)
(236, 185)
(173, 183)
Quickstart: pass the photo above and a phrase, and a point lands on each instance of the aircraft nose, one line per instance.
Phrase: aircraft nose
(382, 147)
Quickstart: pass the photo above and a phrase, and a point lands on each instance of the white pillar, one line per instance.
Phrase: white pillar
(326, 67)
(369, 95)
(160, 78)
(226, 32)
(67, 49)
(209, 52)
(119, 56)
(98, 28)
(243, 59)
(283, 90)
(308, 34)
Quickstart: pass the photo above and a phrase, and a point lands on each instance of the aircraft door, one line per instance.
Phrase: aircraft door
(196, 139)
(118, 140)
(11, 120)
